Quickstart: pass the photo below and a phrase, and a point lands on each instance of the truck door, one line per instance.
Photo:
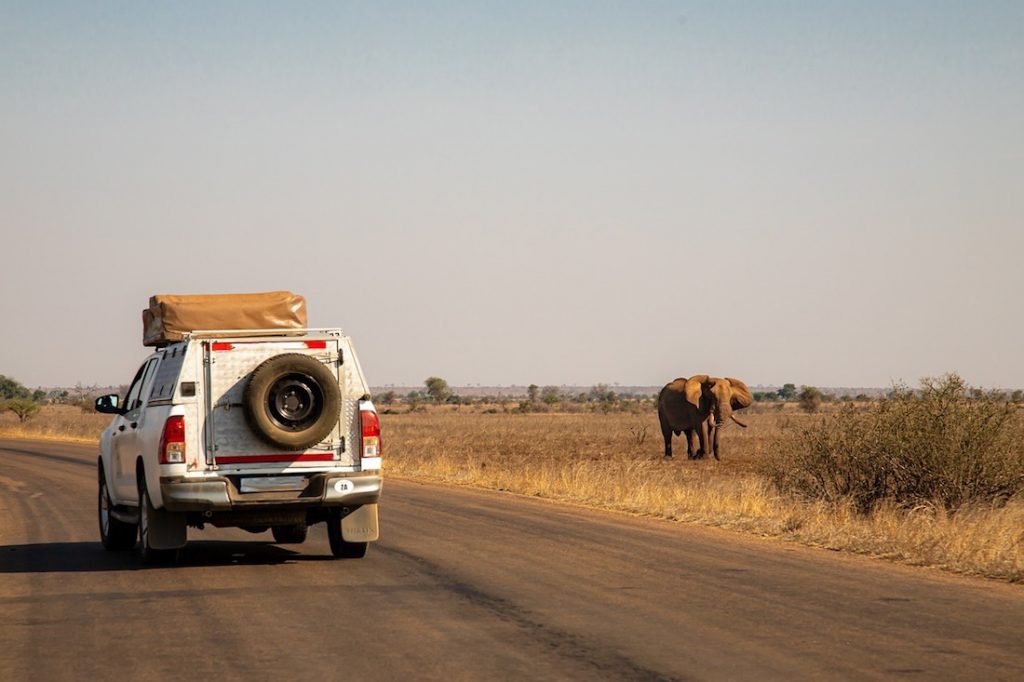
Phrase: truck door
(126, 435)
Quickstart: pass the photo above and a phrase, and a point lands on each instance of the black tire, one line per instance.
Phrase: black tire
(290, 535)
(114, 534)
(292, 401)
(149, 554)
(339, 548)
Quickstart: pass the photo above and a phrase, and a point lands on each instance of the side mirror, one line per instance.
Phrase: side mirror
(109, 404)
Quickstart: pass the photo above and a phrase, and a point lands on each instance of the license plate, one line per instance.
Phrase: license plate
(265, 484)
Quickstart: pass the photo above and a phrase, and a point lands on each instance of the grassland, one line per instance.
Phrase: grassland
(614, 461)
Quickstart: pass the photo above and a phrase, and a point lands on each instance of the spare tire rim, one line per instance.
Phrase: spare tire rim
(294, 402)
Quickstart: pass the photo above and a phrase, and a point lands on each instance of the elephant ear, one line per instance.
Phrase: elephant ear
(694, 387)
(741, 396)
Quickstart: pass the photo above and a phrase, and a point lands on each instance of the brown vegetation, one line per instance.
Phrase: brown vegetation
(610, 457)
(57, 422)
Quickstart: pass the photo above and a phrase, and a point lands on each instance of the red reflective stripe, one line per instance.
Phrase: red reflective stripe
(316, 344)
(252, 459)
(219, 345)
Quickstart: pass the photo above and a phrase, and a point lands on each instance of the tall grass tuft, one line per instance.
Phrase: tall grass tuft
(941, 446)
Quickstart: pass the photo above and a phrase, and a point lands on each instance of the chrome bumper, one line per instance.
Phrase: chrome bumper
(221, 493)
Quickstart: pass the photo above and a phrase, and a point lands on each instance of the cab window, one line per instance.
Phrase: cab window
(134, 398)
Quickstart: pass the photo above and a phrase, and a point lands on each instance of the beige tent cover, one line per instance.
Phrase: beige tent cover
(170, 316)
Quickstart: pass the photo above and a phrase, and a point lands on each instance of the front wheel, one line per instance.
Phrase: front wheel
(114, 534)
(339, 547)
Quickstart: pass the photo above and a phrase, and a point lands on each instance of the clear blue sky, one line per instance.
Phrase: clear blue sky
(551, 192)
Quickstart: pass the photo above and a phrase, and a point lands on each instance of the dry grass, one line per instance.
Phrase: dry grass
(613, 461)
(57, 422)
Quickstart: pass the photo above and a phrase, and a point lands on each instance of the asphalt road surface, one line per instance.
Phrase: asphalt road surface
(470, 585)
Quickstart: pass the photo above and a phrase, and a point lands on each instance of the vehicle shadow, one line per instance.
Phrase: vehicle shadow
(85, 557)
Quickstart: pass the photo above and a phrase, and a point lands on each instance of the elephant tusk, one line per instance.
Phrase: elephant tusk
(733, 417)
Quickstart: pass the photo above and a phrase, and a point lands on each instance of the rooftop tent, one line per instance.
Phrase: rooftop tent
(170, 316)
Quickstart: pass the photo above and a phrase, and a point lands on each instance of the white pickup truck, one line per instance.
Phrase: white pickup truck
(257, 429)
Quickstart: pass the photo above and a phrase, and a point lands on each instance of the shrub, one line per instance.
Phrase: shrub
(787, 392)
(11, 388)
(942, 446)
(25, 408)
(810, 398)
(550, 395)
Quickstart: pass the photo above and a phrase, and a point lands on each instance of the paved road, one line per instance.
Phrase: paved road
(471, 585)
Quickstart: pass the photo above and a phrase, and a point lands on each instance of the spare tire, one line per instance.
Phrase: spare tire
(292, 401)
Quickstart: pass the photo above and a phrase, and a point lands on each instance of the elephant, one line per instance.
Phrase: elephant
(703, 404)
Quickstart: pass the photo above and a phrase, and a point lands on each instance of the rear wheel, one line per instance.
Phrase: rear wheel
(339, 547)
(149, 554)
(290, 535)
(114, 534)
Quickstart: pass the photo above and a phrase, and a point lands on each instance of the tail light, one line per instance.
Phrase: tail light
(371, 432)
(172, 441)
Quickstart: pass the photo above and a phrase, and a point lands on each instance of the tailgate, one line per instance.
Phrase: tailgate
(231, 441)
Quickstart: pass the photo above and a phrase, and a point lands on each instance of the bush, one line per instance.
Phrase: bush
(11, 388)
(810, 398)
(942, 446)
(25, 408)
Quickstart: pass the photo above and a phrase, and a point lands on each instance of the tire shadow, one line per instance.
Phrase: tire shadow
(90, 557)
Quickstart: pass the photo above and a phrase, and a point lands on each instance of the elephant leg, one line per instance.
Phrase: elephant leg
(702, 437)
(688, 435)
(666, 433)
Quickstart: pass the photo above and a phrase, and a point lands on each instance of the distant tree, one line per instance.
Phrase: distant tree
(39, 395)
(25, 408)
(437, 389)
(533, 392)
(763, 396)
(387, 397)
(550, 395)
(787, 392)
(10, 388)
(846, 397)
(862, 397)
(1017, 396)
(601, 393)
(810, 398)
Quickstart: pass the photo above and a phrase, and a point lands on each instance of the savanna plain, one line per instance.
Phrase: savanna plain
(929, 477)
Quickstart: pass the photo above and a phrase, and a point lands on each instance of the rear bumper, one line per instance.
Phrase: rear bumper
(221, 493)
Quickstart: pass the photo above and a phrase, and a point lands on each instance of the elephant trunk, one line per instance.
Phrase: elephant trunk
(722, 414)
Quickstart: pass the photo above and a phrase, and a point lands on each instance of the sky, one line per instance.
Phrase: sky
(498, 193)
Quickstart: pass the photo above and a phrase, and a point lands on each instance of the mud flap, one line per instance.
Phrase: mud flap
(361, 525)
(167, 530)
